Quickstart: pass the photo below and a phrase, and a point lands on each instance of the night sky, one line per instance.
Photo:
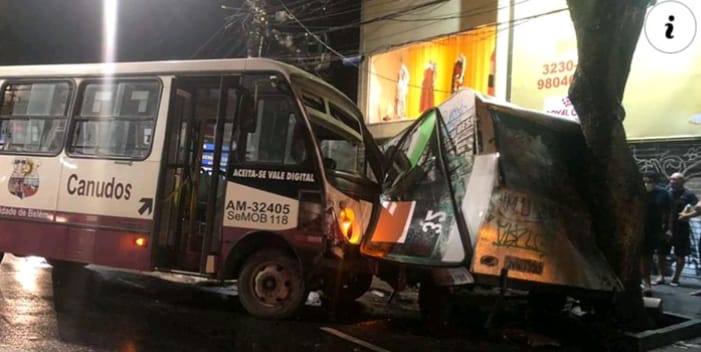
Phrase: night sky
(71, 31)
(66, 31)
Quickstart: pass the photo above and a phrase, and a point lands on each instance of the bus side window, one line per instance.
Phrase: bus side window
(84, 138)
(33, 116)
(116, 119)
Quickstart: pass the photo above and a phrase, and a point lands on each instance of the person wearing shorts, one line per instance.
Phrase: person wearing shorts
(679, 233)
(686, 215)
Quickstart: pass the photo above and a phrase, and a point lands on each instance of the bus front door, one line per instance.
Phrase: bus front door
(190, 194)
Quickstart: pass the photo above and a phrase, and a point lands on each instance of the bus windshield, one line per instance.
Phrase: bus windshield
(341, 150)
(337, 131)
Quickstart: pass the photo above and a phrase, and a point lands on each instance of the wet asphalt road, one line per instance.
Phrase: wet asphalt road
(106, 310)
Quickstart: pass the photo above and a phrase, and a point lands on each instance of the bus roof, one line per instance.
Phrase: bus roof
(146, 67)
(170, 67)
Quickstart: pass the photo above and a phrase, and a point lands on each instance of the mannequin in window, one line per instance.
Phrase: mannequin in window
(427, 87)
(402, 90)
(458, 73)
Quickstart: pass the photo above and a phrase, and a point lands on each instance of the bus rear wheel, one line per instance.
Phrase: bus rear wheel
(271, 285)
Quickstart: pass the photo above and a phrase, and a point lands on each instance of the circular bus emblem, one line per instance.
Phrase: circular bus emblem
(24, 181)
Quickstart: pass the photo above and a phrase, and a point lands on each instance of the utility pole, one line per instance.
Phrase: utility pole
(272, 28)
(258, 30)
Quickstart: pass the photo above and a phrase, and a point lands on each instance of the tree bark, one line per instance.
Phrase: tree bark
(607, 34)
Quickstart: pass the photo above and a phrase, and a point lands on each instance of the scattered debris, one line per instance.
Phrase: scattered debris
(577, 311)
(314, 299)
(378, 293)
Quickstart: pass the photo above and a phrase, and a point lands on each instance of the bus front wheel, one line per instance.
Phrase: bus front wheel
(271, 285)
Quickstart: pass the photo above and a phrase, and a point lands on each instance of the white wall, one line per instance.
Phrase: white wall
(455, 16)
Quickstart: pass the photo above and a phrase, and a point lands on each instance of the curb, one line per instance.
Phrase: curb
(681, 328)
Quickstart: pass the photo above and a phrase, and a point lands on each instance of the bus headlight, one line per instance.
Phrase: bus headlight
(346, 218)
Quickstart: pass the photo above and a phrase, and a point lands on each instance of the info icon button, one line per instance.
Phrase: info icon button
(670, 26)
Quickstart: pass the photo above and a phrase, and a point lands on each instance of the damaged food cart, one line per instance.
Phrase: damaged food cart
(482, 193)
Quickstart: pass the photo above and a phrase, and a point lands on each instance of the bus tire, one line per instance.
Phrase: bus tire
(271, 285)
(1, 256)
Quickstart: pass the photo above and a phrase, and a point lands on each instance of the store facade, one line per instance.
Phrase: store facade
(524, 52)
(418, 57)
(661, 100)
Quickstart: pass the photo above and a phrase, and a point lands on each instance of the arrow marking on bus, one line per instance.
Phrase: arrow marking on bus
(147, 205)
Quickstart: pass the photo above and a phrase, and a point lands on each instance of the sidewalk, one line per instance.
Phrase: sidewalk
(677, 300)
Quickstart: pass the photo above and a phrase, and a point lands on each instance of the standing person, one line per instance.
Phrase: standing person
(688, 214)
(657, 215)
(680, 231)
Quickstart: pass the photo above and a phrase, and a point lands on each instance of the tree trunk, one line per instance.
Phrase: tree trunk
(607, 34)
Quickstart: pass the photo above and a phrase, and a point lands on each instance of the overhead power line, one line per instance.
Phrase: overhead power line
(316, 37)
(242, 15)
(499, 26)
(388, 16)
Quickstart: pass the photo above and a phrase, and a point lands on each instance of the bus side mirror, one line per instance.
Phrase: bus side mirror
(247, 113)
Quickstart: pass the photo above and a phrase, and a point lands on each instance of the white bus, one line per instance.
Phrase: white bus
(245, 169)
